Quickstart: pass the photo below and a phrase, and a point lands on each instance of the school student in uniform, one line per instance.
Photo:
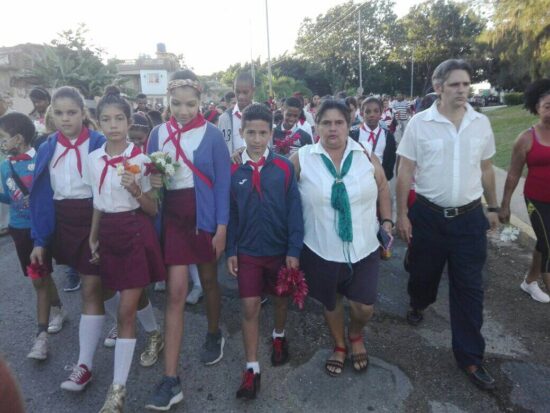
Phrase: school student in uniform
(263, 185)
(122, 237)
(230, 121)
(374, 137)
(61, 216)
(288, 137)
(195, 216)
(16, 135)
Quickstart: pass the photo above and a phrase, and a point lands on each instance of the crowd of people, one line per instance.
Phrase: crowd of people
(136, 197)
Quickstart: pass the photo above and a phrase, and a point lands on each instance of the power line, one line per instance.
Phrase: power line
(353, 8)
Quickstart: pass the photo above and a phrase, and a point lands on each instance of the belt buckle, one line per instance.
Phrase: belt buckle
(450, 212)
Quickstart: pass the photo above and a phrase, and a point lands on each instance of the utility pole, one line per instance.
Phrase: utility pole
(268, 51)
(360, 90)
(412, 72)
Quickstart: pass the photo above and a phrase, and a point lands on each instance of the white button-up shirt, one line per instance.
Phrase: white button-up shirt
(448, 161)
(114, 197)
(65, 179)
(320, 218)
(189, 142)
(245, 158)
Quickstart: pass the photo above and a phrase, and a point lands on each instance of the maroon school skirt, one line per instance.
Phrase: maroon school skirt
(129, 251)
(73, 219)
(182, 242)
(24, 245)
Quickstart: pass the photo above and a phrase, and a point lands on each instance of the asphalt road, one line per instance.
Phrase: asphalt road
(412, 369)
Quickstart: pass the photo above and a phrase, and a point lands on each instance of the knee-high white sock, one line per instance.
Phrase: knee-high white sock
(124, 353)
(89, 331)
(111, 305)
(194, 273)
(147, 318)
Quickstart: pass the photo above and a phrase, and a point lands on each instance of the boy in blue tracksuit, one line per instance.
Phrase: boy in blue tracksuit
(265, 232)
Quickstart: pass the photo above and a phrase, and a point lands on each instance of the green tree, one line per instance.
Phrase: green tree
(518, 42)
(70, 61)
(331, 41)
(432, 32)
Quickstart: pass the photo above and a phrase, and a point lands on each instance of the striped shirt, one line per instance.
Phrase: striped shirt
(401, 109)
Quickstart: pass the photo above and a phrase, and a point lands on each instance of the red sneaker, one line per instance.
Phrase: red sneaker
(250, 385)
(279, 353)
(78, 379)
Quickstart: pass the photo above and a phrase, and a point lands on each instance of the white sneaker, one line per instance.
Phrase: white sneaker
(39, 349)
(160, 286)
(57, 317)
(110, 340)
(194, 295)
(535, 292)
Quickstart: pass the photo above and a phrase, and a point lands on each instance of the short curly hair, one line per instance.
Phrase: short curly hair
(534, 92)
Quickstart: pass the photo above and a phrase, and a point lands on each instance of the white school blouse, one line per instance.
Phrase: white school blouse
(189, 142)
(364, 133)
(65, 179)
(315, 186)
(448, 161)
(114, 197)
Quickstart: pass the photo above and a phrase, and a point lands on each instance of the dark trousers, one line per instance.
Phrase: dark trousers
(461, 243)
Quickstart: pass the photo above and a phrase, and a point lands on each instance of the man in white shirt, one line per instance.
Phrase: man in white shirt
(448, 149)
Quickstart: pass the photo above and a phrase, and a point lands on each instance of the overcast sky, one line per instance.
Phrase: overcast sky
(211, 34)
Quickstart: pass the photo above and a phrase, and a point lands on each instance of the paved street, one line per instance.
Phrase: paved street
(412, 369)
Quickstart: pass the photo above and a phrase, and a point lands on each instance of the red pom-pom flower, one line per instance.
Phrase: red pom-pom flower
(291, 281)
(36, 271)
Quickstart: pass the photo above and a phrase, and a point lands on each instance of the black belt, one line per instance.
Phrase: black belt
(449, 212)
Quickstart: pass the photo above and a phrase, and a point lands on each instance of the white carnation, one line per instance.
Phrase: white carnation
(170, 170)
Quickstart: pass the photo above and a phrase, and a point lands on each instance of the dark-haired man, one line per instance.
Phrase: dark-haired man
(448, 149)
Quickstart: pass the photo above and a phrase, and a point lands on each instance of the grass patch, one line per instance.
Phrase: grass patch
(507, 124)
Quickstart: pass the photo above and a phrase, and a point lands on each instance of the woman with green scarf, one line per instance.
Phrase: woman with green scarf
(341, 186)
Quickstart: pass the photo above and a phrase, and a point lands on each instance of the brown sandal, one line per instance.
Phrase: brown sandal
(358, 358)
(336, 363)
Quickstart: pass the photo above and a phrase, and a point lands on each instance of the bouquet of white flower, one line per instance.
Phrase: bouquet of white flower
(509, 233)
(161, 163)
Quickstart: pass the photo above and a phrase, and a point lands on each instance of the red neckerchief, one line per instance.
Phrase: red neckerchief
(113, 162)
(174, 135)
(238, 114)
(371, 134)
(64, 141)
(256, 181)
(175, 132)
(20, 157)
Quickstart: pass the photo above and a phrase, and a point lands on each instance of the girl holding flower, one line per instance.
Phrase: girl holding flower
(195, 216)
(122, 237)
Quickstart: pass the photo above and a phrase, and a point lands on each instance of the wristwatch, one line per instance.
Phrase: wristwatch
(493, 209)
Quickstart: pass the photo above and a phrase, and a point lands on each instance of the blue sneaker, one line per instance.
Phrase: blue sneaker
(167, 393)
(72, 282)
(212, 349)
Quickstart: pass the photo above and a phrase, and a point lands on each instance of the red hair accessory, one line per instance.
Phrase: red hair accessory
(291, 281)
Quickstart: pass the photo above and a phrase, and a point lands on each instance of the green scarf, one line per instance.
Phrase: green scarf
(339, 200)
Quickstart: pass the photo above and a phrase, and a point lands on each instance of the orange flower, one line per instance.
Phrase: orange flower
(133, 169)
